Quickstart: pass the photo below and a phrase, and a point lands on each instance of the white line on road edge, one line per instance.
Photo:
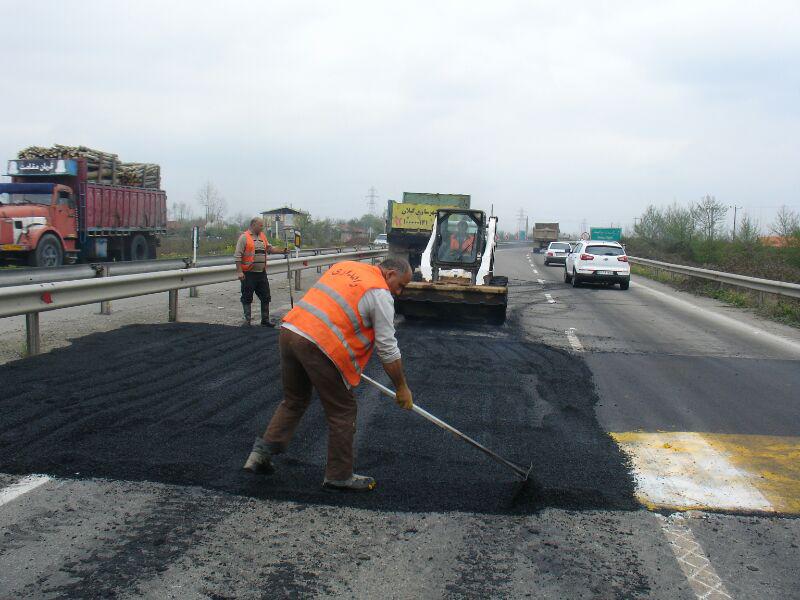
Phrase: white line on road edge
(549, 299)
(23, 486)
(573, 340)
(692, 559)
(722, 319)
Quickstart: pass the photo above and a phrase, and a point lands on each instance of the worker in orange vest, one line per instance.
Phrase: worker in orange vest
(325, 342)
(251, 268)
(461, 243)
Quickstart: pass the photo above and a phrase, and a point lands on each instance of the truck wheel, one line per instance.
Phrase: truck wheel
(140, 249)
(48, 253)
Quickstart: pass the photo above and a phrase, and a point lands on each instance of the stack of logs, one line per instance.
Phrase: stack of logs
(102, 167)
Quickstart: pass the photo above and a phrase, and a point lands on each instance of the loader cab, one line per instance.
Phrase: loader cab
(460, 238)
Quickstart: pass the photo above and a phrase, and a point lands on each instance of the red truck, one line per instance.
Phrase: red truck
(52, 213)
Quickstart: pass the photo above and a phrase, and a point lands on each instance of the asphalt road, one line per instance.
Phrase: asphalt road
(622, 401)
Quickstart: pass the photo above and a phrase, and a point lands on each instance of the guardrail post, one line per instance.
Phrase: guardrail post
(173, 306)
(103, 271)
(194, 292)
(316, 253)
(32, 333)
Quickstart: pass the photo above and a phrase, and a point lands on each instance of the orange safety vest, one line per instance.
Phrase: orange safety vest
(328, 314)
(465, 245)
(249, 254)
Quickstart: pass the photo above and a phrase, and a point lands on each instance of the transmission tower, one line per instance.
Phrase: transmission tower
(522, 222)
(372, 200)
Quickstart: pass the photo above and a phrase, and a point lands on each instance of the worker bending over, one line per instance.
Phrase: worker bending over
(326, 341)
(251, 267)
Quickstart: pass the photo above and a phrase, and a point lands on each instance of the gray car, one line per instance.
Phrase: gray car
(556, 253)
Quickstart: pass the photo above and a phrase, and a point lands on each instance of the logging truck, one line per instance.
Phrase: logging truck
(57, 210)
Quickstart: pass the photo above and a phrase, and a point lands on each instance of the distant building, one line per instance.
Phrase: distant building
(775, 241)
(278, 219)
(349, 234)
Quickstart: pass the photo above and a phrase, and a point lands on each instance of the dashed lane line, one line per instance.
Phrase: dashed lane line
(23, 486)
(693, 560)
(540, 281)
(573, 340)
(549, 299)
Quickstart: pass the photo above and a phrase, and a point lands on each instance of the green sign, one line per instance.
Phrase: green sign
(606, 234)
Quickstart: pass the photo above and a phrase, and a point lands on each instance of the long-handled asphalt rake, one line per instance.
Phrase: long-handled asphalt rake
(521, 472)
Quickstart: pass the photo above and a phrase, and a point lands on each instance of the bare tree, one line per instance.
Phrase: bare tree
(709, 215)
(181, 212)
(213, 203)
(786, 224)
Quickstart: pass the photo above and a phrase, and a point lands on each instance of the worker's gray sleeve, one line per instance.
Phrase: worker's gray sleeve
(376, 308)
(237, 253)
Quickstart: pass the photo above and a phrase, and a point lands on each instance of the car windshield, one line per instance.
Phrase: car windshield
(605, 250)
(381, 237)
(559, 246)
(6, 198)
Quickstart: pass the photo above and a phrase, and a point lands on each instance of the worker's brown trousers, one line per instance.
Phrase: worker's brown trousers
(304, 365)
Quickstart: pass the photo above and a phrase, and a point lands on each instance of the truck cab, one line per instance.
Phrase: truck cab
(38, 223)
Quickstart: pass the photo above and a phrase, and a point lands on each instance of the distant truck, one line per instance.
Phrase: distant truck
(543, 234)
(409, 223)
(53, 212)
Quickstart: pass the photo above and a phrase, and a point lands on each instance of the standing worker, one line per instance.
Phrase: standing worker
(251, 268)
(326, 341)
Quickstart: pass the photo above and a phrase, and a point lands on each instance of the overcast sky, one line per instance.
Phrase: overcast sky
(568, 111)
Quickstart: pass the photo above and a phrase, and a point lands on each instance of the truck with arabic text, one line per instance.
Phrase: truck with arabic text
(409, 223)
(66, 204)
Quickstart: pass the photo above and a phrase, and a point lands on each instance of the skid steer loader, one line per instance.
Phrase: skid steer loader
(455, 279)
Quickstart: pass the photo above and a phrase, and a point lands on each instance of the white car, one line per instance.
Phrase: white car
(556, 253)
(598, 262)
(381, 240)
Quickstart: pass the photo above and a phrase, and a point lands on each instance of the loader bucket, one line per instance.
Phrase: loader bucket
(457, 303)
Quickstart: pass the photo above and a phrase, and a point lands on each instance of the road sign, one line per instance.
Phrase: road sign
(584, 236)
(608, 234)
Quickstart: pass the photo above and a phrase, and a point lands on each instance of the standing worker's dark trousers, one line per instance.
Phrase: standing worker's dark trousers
(255, 282)
(304, 366)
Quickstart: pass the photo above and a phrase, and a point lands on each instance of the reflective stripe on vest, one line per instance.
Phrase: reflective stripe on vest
(328, 315)
(464, 246)
(249, 254)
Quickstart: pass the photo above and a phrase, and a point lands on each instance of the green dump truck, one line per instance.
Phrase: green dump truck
(409, 223)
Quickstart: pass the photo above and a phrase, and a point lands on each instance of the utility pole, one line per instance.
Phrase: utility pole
(735, 208)
(583, 225)
(372, 198)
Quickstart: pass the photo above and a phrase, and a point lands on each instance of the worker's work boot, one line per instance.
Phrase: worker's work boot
(259, 460)
(265, 322)
(356, 483)
(247, 309)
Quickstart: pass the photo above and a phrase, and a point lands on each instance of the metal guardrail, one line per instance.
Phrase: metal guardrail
(781, 288)
(25, 276)
(32, 299)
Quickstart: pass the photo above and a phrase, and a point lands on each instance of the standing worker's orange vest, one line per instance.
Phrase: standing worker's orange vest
(249, 254)
(328, 314)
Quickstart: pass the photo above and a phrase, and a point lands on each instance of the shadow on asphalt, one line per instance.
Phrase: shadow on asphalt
(181, 403)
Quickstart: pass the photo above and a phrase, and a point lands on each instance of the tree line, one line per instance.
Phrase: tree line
(698, 233)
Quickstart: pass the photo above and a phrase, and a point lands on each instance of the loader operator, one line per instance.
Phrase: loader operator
(325, 342)
(251, 268)
(461, 243)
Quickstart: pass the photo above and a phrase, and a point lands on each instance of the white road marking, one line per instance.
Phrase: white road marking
(535, 271)
(573, 340)
(549, 299)
(540, 281)
(722, 319)
(23, 486)
(692, 559)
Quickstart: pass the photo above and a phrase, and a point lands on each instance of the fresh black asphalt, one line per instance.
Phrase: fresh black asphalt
(181, 404)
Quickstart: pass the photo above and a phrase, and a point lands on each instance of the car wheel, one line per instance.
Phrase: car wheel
(546, 263)
(567, 276)
(624, 285)
(48, 252)
(575, 281)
